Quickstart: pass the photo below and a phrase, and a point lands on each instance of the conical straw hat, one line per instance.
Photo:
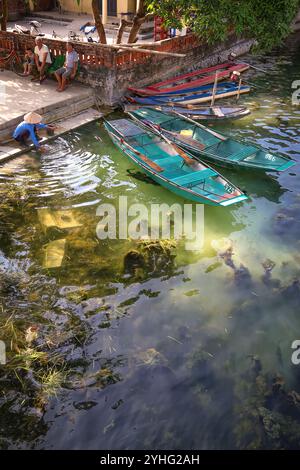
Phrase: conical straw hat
(32, 118)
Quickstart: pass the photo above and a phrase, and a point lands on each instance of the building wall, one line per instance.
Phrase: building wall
(85, 6)
(16, 9)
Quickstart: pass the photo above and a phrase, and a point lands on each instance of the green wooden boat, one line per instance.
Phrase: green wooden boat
(206, 143)
(171, 167)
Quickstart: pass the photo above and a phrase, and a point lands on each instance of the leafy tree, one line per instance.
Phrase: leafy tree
(267, 21)
(139, 18)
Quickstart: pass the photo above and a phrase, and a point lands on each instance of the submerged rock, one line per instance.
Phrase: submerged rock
(224, 249)
(292, 292)
(149, 357)
(242, 276)
(268, 265)
(150, 256)
(133, 259)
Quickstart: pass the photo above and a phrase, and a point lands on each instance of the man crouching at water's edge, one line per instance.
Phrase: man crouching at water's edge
(27, 130)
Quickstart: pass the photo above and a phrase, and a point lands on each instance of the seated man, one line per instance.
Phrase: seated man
(26, 130)
(42, 58)
(69, 69)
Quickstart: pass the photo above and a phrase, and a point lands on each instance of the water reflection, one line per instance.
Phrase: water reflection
(145, 345)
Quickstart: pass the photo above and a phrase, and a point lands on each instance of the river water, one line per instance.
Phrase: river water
(190, 350)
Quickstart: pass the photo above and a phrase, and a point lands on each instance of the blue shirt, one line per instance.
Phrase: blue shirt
(71, 58)
(24, 126)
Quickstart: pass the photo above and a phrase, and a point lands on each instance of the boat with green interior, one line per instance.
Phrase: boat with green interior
(172, 167)
(205, 143)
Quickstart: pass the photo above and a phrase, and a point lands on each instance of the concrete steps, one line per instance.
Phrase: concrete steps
(65, 125)
(52, 112)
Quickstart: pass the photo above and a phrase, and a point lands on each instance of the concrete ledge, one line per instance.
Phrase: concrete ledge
(21, 96)
(8, 152)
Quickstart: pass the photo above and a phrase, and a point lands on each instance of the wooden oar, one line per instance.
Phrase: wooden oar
(180, 152)
(232, 58)
(143, 157)
(255, 68)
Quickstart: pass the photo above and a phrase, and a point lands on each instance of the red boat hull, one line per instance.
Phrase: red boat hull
(191, 80)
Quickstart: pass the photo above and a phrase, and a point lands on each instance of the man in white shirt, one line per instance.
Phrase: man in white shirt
(42, 58)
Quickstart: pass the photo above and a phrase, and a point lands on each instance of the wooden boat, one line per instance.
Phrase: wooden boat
(207, 113)
(206, 143)
(223, 90)
(189, 80)
(171, 167)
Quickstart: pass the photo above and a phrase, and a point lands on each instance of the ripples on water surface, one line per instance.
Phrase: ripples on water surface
(191, 351)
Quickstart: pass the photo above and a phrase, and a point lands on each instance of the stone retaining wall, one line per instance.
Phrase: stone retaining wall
(110, 71)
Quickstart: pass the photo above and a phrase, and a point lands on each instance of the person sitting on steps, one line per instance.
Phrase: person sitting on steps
(29, 62)
(69, 69)
(42, 59)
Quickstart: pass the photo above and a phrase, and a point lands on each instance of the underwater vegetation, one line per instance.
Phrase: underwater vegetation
(139, 343)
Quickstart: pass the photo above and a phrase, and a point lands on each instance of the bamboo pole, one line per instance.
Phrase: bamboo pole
(147, 51)
(239, 90)
(142, 44)
(214, 89)
(127, 48)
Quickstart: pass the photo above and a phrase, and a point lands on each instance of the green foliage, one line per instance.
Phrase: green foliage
(267, 21)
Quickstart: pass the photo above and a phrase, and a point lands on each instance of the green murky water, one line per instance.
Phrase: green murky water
(191, 350)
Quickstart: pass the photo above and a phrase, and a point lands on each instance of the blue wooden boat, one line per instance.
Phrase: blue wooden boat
(206, 143)
(171, 167)
(201, 95)
(202, 112)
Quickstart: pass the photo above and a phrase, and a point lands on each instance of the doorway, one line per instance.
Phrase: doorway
(111, 7)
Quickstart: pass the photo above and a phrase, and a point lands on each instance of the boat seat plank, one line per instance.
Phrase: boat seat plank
(194, 177)
(170, 175)
(173, 160)
(246, 152)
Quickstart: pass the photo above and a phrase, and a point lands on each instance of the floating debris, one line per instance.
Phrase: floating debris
(85, 405)
(31, 334)
(174, 339)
